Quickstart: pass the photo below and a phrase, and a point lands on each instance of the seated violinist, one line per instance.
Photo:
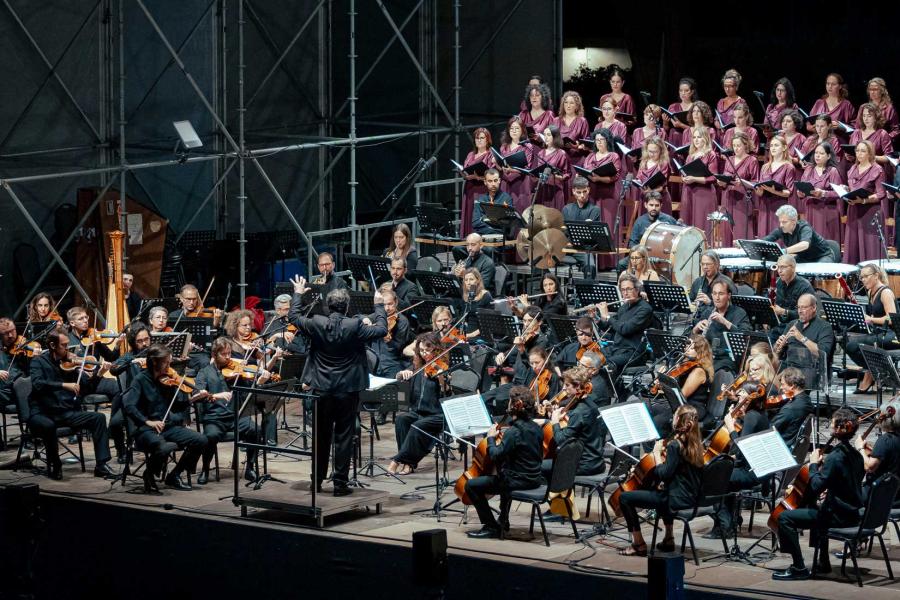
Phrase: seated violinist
(217, 414)
(593, 365)
(838, 476)
(131, 363)
(400, 285)
(156, 408)
(534, 371)
(679, 463)
(694, 376)
(279, 332)
(389, 349)
(192, 306)
(56, 402)
(13, 358)
(246, 344)
(441, 322)
(518, 455)
(428, 385)
(42, 308)
(576, 418)
(86, 340)
(157, 319)
(572, 352)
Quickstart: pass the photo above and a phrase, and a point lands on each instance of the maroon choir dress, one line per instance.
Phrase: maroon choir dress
(891, 122)
(727, 114)
(555, 192)
(688, 134)
(471, 190)
(625, 106)
(768, 203)
(617, 129)
(823, 214)
(639, 135)
(606, 196)
(631, 163)
(843, 112)
(751, 133)
(734, 199)
(812, 141)
(700, 199)
(645, 173)
(881, 141)
(862, 242)
(774, 112)
(546, 119)
(516, 184)
(795, 144)
(575, 131)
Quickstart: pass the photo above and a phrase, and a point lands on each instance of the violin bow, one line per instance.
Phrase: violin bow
(206, 293)
(533, 385)
(175, 395)
(436, 358)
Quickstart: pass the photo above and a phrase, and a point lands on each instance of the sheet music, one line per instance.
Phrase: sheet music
(466, 415)
(766, 452)
(629, 423)
(376, 383)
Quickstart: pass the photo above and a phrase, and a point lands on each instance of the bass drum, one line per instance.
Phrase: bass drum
(675, 251)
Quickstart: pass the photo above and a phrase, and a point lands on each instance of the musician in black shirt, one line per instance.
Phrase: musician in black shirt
(635, 315)
(400, 285)
(788, 290)
(12, 366)
(578, 420)
(130, 363)
(725, 316)
(840, 474)
(389, 350)
(476, 259)
(883, 456)
(518, 458)
(701, 288)
(807, 343)
(679, 463)
(799, 238)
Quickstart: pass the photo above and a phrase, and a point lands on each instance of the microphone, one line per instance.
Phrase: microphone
(545, 175)
(427, 164)
(875, 220)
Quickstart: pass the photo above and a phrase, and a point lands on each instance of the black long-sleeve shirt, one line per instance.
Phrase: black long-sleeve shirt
(787, 295)
(147, 400)
(628, 324)
(210, 379)
(841, 476)
(47, 378)
(16, 366)
(520, 454)
(715, 335)
(390, 353)
(681, 478)
(791, 416)
(585, 426)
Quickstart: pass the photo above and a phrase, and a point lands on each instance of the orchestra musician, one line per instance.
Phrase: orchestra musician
(246, 344)
(635, 315)
(56, 402)
(474, 297)
(337, 371)
(130, 363)
(788, 289)
(552, 302)
(532, 368)
(884, 456)
(799, 238)
(326, 280)
(725, 316)
(584, 341)
(82, 344)
(518, 454)
(478, 260)
(530, 337)
(217, 416)
(679, 461)
(807, 342)
(157, 319)
(192, 304)
(401, 246)
(278, 332)
(12, 364)
(474, 185)
(653, 212)
(42, 308)
(581, 209)
(400, 285)
(882, 303)
(822, 207)
(132, 298)
(839, 473)
(158, 413)
(639, 264)
(441, 320)
(694, 375)
(428, 386)
(577, 420)
(494, 195)
(701, 288)
(389, 350)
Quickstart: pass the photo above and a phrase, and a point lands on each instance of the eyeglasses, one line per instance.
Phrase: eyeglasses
(627, 289)
(584, 333)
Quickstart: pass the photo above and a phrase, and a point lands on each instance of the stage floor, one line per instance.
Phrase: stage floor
(395, 524)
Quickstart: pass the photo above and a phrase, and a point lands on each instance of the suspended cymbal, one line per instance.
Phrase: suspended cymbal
(548, 248)
(545, 217)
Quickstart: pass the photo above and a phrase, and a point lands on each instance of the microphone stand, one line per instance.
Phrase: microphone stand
(545, 175)
(626, 185)
(410, 176)
(876, 223)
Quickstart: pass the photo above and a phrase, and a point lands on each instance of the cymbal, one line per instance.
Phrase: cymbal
(545, 217)
(548, 247)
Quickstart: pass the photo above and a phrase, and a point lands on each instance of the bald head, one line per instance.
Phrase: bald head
(473, 244)
(806, 307)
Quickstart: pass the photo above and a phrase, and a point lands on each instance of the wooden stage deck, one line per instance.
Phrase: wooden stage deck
(382, 512)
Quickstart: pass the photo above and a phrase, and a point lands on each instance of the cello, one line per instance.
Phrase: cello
(481, 464)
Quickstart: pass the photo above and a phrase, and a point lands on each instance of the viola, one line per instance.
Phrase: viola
(556, 402)
(453, 335)
(92, 336)
(240, 369)
(774, 402)
(676, 372)
(391, 323)
(23, 347)
(543, 383)
(171, 378)
(592, 347)
(75, 363)
(721, 439)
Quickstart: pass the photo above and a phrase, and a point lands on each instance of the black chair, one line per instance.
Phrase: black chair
(562, 480)
(22, 391)
(6, 409)
(200, 411)
(873, 524)
(619, 467)
(715, 409)
(714, 481)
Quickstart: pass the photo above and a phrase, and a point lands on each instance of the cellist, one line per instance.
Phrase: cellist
(840, 474)
(518, 455)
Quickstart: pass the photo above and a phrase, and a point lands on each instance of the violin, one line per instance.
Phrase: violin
(454, 335)
(240, 369)
(92, 336)
(171, 378)
(23, 347)
(202, 313)
(733, 388)
(392, 320)
(542, 382)
(437, 367)
(675, 372)
(592, 347)
(721, 439)
(74, 363)
(773, 402)
(556, 402)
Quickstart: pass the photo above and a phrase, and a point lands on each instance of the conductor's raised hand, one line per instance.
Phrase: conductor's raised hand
(299, 284)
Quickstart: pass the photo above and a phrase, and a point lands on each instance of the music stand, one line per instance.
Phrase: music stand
(663, 343)
(170, 304)
(438, 285)
(563, 327)
(422, 312)
(200, 328)
(178, 342)
(434, 220)
(668, 298)
(383, 399)
(35, 329)
(761, 250)
(372, 269)
(883, 370)
(587, 293)
(590, 236)
(759, 309)
(503, 215)
(495, 327)
(361, 303)
(844, 316)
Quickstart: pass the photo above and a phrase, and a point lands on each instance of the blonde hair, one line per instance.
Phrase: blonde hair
(878, 272)
(579, 106)
(762, 361)
(663, 151)
(704, 133)
(885, 96)
(785, 155)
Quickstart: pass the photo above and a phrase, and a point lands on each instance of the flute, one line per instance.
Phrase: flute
(532, 297)
(593, 307)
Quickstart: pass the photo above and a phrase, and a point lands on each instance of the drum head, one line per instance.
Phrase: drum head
(686, 251)
(545, 217)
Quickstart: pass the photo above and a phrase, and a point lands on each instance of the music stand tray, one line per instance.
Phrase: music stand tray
(368, 268)
(844, 315)
(671, 391)
(422, 312)
(882, 367)
(33, 329)
(590, 236)
(497, 327)
(361, 303)
(438, 285)
(667, 297)
(758, 309)
(461, 355)
(292, 366)
(178, 342)
(594, 293)
(663, 343)
(563, 327)
(201, 329)
(761, 250)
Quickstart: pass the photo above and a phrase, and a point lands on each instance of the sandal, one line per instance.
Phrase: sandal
(405, 469)
(666, 545)
(632, 550)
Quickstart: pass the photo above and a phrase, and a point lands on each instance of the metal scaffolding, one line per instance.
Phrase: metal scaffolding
(438, 123)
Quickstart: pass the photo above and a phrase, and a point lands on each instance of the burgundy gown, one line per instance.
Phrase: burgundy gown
(626, 105)
(768, 203)
(516, 184)
(891, 121)
(727, 114)
(471, 190)
(843, 112)
(631, 163)
(606, 196)
(774, 112)
(555, 192)
(700, 199)
(823, 214)
(796, 143)
(646, 173)
(862, 242)
(734, 200)
(812, 141)
(728, 136)
(541, 123)
(617, 129)
(577, 130)
(881, 141)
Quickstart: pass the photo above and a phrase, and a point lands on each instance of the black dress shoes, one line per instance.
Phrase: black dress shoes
(104, 471)
(791, 574)
(484, 533)
(150, 486)
(342, 490)
(174, 481)
(250, 475)
(203, 478)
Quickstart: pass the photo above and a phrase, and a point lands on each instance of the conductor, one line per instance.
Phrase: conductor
(336, 371)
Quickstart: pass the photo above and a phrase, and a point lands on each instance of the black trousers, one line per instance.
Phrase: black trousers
(44, 427)
(412, 444)
(629, 502)
(335, 419)
(881, 339)
(741, 479)
(816, 521)
(215, 431)
(479, 488)
(190, 441)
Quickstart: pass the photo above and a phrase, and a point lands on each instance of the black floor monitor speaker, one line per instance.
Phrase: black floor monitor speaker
(665, 576)
(430, 557)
